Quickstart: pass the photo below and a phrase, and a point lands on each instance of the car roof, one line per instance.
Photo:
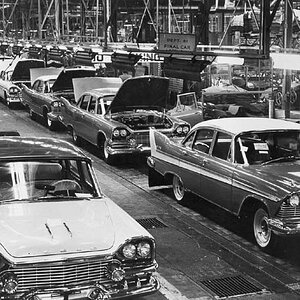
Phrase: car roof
(17, 148)
(244, 124)
(102, 92)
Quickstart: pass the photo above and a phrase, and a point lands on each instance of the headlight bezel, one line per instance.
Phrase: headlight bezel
(182, 130)
(144, 249)
(120, 133)
(293, 200)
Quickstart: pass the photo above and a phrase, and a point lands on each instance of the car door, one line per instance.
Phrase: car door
(194, 153)
(89, 120)
(218, 169)
(80, 116)
(36, 102)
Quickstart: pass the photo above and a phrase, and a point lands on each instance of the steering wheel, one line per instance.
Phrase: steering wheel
(65, 187)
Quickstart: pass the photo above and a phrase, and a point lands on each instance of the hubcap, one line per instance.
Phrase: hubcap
(178, 188)
(74, 136)
(262, 231)
(105, 152)
(49, 123)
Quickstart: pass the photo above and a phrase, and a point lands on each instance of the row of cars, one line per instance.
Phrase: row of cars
(247, 166)
(61, 237)
(114, 116)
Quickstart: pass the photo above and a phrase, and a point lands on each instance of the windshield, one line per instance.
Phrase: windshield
(267, 146)
(46, 179)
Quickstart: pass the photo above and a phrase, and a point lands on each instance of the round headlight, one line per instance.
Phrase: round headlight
(294, 200)
(179, 130)
(123, 132)
(116, 133)
(186, 129)
(129, 251)
(143, 249)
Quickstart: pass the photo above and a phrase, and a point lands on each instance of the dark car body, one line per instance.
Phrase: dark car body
(248, 166)
(122, 128)
(233, 101)
(61, 238)
(48, 88)
(12, 79)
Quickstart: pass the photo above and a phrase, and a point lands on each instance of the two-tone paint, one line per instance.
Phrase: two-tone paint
(133, 108)
(235, 187)
(47, 89)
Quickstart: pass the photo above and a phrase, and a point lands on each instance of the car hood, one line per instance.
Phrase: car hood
(145, 92)
(21, 71)
(64, 80)
(58, 227)
(284, 174)
(278, 178)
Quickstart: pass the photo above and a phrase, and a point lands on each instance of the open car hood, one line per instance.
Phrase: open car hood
(145, 92)
(30, 229)
(82, 85)
(64, 80)
(21, 71)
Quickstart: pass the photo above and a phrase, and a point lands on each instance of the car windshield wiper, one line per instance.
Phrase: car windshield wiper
(51, 197)
(281, 158)
(16, 200)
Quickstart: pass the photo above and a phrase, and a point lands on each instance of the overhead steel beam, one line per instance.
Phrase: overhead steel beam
(265, 28)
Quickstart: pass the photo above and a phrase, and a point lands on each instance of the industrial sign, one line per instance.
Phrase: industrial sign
(105, 57)
(177, 42)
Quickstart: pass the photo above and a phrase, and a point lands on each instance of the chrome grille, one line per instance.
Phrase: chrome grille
(61, 274)
(287, 211)
(142, 138)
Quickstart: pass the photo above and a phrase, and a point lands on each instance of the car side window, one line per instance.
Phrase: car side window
(222, 145)
(46, 87)
(40, 87)
(203, 140)
(99, 109)
(189, 140)
(84, 102)
(37, 86)
(92, 106)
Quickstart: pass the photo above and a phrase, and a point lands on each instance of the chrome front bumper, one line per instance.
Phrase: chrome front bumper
(139, 149)
(14, 99)
(281, 227)
(53, 117)
(96, 292)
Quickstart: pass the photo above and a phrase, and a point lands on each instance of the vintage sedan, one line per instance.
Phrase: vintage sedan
(117, 120)
(14, 76)
(247, 166)
(48, 88)
(187, 108)
(61, 238)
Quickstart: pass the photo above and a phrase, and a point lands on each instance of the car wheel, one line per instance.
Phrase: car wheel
(32, 114)
(50, 124)
(278, 99)
(178, 189)
(262, 232)
(76, 139)
(107, 157)
(293, 97)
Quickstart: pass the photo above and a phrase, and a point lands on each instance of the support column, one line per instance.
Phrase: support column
(57, 23)
(287, 74)
(39, 19)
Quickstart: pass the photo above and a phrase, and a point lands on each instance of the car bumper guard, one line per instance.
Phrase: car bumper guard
(281, 227)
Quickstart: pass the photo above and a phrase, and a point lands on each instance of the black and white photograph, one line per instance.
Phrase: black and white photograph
(149, 149)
